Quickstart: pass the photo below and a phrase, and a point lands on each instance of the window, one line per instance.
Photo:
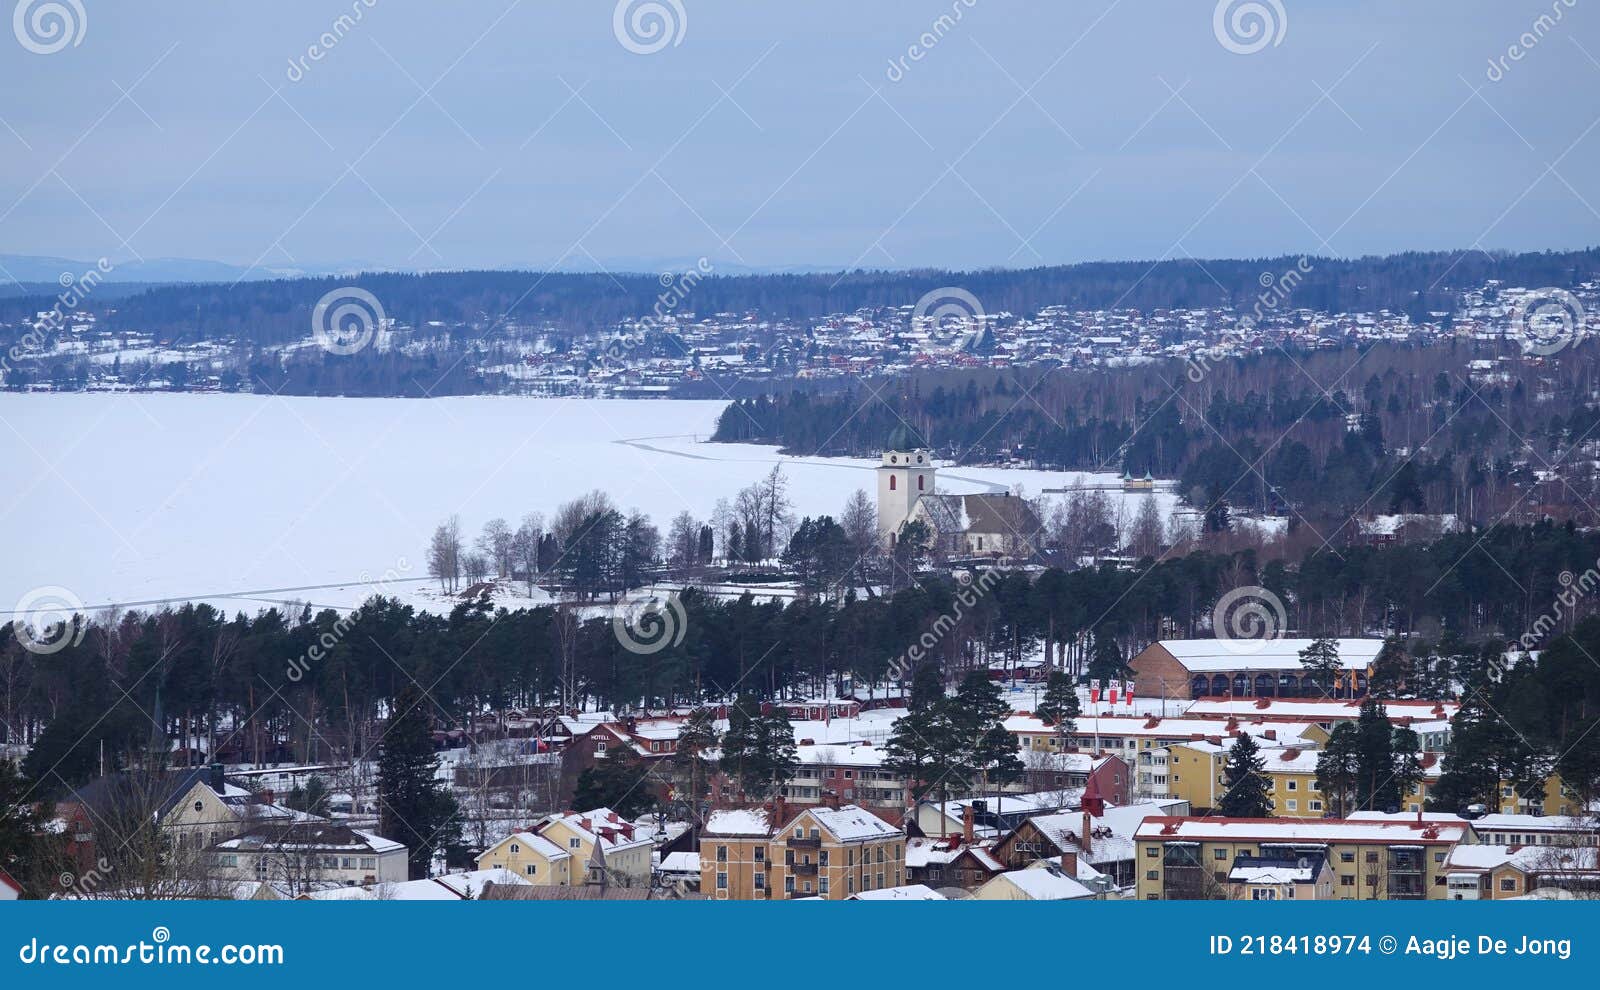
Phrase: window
(1153, 875)
(814, 833)
(920, 479)
(515, 849)
(1292, 785)
(1347, 881)
(761, 881)
(1372, 857)
(1347, 857)
(1151, 852)
(1438, 857)
(599, 745)
(532, 869)
(1314, 805)
(1215, 853)
(722, 881)
(822, 858)
(1293, 804)
(891, 482)
(722, 854)
(822, 885)
(574, 843)
(807, 889)
(788, 885)
(760, 853)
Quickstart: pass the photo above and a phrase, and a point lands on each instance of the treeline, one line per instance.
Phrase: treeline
(1321, 436)
(275, 312)
(317, 685)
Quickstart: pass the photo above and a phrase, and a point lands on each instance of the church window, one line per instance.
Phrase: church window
(920, 479)
(892, 480)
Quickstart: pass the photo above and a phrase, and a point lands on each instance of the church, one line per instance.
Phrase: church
(984, 525)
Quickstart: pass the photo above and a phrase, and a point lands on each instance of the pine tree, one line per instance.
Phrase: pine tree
(414, 806)
(1338, 766)
(758, 749)
(691, 768)
(1322, 664)
(1376, 789)
(1059, 706)
(1248, 789)
(922, 741)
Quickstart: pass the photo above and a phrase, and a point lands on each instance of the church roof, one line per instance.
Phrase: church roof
(1002, 514)
(946, 513)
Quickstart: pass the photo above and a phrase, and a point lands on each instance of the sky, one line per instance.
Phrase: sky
(915, 133)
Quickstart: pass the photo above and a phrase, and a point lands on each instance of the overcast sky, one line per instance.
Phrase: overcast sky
(498, 133)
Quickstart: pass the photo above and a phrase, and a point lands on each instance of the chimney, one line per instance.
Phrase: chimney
(214, 778)
(1085, 840)
(1069, 864)
(779, 818)
(1270, 734)
(967, 821)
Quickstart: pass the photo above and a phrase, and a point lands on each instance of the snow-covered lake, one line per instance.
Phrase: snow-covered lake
(238, 499)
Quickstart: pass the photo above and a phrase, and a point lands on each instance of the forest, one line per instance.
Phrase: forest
(1461, 428)
(242, 685)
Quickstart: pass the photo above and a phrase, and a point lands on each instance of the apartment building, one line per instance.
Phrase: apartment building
(1398, 859)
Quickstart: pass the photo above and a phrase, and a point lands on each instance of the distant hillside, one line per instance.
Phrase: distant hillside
(277, 311)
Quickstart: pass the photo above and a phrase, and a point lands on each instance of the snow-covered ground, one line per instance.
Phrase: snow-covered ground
(244, 500)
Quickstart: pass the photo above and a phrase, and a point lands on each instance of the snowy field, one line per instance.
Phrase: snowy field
(246, 500)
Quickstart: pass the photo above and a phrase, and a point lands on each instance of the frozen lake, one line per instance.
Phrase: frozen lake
(243, 500)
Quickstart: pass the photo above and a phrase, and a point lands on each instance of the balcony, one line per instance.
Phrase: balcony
(798, 843)
(803, 869)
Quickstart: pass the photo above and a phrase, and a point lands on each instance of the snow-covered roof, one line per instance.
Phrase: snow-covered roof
(909, 892)
(1315, 709)
(681, 862)
(738, 821)
(852, 823)
(1045, 884)
(1221, 655)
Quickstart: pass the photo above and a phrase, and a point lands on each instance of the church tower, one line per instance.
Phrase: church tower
(905, 475)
